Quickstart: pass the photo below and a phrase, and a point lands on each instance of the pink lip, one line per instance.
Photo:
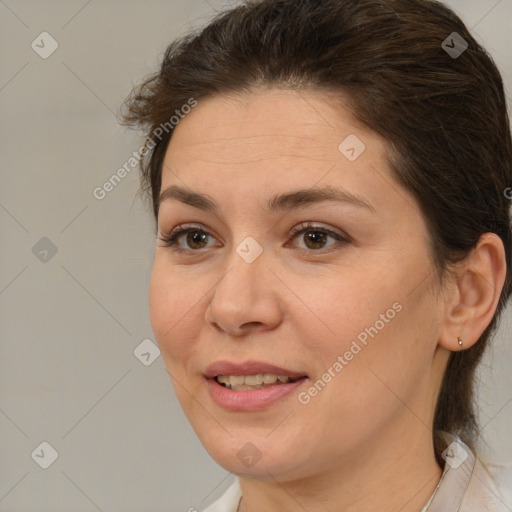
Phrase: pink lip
(250, 399)
(248, 368)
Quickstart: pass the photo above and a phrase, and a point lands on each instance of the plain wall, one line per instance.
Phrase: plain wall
(71, 319)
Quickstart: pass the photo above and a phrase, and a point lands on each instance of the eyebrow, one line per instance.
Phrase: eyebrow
(278, 203)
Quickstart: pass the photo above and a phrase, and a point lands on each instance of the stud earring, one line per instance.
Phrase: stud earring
(459, 339)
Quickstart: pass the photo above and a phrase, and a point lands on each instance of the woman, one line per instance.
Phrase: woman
(334, 246)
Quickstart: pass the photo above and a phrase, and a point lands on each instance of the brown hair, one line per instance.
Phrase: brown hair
(445, 118)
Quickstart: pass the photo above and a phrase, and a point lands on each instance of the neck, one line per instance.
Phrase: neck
(383, 477)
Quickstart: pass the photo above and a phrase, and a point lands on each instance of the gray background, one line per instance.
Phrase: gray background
(70, 321)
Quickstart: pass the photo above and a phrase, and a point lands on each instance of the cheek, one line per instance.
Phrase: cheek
(346, 309)
(372, 324)
(173, 309)
(162, 303)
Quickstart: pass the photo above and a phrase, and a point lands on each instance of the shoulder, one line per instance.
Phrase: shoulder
(468, 484)
(490, 488)
(229, 501)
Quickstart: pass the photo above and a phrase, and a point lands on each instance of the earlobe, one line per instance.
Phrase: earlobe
(475, 295)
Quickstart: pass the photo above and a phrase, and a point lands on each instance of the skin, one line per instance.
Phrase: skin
(364, 443)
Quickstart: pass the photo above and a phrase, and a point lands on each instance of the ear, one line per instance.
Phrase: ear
(473, 295)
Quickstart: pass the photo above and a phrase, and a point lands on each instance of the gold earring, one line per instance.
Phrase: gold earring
(459, 339)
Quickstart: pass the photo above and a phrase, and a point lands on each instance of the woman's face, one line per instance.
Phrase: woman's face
(335, 291)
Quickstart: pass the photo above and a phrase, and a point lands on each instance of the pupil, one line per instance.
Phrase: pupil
(316, 237)
(196, 237)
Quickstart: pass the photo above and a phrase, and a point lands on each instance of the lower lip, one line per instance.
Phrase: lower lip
(250, 399)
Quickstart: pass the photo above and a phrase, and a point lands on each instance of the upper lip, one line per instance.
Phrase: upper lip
(248, 368)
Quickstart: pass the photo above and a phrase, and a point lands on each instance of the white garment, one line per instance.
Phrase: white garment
(472, 486)
(229, 501)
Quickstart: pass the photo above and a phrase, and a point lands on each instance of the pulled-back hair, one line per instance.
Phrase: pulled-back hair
(444, 117)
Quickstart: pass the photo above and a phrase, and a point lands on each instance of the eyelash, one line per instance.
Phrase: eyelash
(171, 240)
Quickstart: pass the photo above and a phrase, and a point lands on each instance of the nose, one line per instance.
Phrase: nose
(246, 298)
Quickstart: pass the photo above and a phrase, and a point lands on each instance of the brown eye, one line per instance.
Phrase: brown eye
(195, 239)
(316, 237)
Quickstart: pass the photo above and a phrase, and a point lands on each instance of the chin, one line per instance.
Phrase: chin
(256, 455)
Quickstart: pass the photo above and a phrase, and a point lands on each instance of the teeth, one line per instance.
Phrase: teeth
(237, 380)
(268, 378)
(241, 382)
(252, 380)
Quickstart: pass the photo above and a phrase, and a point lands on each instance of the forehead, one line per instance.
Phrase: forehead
(243, 150)
(266, 124)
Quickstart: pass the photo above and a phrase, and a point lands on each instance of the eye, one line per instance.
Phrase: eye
(315, 237)
(196, 238)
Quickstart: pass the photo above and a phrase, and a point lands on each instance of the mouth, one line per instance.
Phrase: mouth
(255, 374)
(251, 386)
(257, 381)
